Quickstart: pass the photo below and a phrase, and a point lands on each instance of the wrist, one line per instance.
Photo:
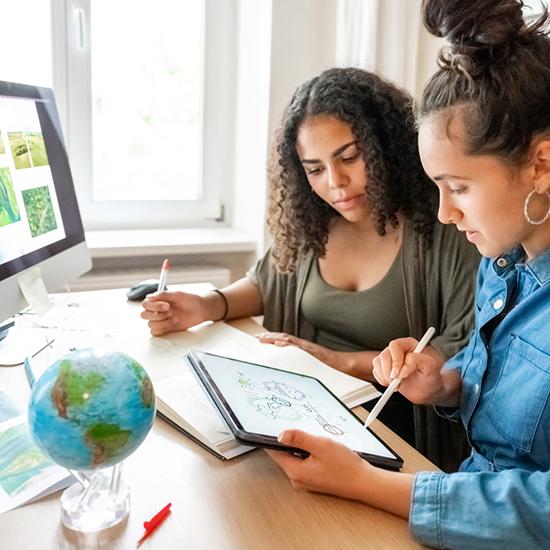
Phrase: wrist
(215, 306)
(451, 386)
(391, 491)
(339, 360)
(359, 364)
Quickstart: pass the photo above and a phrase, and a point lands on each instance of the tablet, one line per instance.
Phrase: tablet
(259, 402)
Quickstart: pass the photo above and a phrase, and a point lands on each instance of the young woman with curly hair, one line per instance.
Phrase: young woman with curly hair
(484, 139)
(358, 257)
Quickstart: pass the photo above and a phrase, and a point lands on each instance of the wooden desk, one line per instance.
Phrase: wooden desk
(243, 503)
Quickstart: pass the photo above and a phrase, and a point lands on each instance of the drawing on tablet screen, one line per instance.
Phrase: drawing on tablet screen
(280, 401)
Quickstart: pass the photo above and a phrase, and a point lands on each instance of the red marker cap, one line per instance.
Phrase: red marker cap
(156, 520)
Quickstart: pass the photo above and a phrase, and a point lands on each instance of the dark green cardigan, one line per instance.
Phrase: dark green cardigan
(439, 292)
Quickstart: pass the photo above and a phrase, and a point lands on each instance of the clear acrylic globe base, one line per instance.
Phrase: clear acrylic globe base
(98, 500)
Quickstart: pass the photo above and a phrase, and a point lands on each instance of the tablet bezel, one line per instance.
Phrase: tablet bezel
(262, 440)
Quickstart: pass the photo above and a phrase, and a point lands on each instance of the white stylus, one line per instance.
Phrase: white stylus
(396, 381)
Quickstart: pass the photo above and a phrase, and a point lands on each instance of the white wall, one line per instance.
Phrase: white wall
(247, 209)
(397, 45)
(303, 44)
(428, 49)
(283, 43)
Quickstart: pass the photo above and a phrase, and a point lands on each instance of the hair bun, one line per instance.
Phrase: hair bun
(480, 32)
(474, 23)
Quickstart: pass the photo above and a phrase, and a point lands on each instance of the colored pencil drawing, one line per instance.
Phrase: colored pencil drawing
(280, 401)
(20, 459)
(9, 210)
(28, 149)
(40, 214)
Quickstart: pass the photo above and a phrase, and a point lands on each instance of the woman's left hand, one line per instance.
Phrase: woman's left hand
(283, 339)
(330, 467)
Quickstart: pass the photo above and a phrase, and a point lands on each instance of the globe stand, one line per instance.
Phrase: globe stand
(96, 502)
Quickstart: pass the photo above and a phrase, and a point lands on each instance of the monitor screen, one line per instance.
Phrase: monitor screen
(39, 215)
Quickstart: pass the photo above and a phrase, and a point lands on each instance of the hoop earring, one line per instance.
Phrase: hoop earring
(526, 208)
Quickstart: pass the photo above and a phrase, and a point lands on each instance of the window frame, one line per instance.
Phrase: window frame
(72, 83)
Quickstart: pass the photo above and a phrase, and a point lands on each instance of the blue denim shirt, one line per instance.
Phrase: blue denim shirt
(501, 496)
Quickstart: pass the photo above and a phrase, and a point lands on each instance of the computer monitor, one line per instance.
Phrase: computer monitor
(40, 222)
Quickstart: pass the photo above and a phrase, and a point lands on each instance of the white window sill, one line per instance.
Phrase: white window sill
(148, 242)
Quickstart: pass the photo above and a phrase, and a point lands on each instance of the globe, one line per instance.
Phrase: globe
(91, 409)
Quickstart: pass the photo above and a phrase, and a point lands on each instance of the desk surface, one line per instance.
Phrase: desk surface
(243, 503)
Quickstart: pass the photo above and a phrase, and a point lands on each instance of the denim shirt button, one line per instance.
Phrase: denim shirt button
(502, 262)
(476, 389)
(498, 303)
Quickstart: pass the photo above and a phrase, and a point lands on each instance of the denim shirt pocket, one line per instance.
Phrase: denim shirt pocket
(521, 394)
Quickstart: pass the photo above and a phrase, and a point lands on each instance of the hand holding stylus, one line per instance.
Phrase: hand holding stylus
(396, 381)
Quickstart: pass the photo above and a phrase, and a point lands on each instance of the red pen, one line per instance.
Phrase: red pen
(154, 522)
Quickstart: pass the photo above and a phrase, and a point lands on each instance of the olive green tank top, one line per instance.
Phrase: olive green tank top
(352, 321)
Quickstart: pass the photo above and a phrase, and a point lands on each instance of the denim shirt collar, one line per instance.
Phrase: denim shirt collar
(539, 266)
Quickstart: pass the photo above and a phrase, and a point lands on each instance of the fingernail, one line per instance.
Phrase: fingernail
(281, 437)
(394, 373)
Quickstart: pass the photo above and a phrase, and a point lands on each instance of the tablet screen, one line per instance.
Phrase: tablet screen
(263, 400)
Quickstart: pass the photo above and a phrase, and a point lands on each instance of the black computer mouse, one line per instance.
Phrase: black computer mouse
(141, 289)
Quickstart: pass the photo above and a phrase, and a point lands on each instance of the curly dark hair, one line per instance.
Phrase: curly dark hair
(382, 122)
(496, 70)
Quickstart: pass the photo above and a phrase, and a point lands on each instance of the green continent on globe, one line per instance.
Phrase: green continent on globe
(72, 389)
(106, 441)
(147, 392)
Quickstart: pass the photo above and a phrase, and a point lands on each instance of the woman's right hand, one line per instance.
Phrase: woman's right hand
(422, 380)
(173, 311)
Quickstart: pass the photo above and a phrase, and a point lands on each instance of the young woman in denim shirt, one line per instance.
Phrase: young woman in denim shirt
(484, 139)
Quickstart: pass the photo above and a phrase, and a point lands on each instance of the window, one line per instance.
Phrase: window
(146, 93)
(146, 99)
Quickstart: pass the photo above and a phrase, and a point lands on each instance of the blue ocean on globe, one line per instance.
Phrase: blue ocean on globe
(91, 409)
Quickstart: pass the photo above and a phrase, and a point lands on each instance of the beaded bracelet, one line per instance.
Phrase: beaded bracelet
(226, 311)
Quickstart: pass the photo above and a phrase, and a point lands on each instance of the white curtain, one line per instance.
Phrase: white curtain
(356, 33)
(383, 36)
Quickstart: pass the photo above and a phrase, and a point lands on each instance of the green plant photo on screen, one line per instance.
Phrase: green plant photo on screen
(40, 214)
(9, 210)
(28, 149)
